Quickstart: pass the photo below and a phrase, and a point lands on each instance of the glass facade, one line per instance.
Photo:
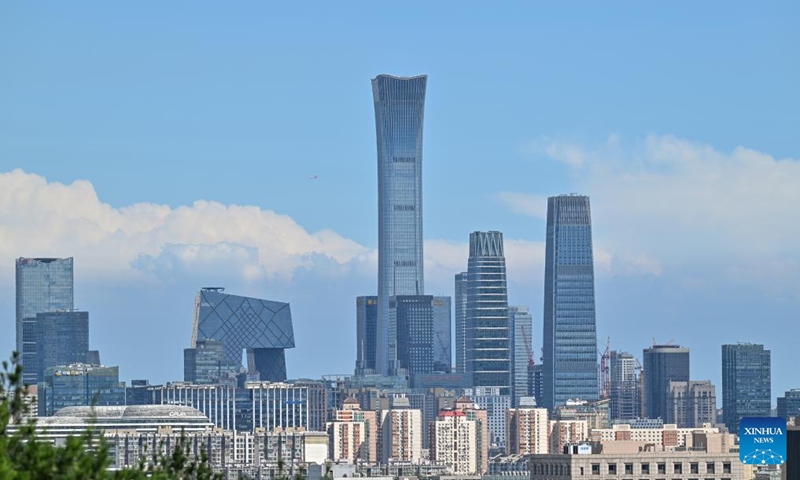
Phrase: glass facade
(624, 390)
(206, 364)
(570, 331)
(43, 285)
(80, 385)
(366, 333)
(62, 338)
(399, 113)
(746, 383)
(789, 404)
(442, 349)
(262, 327)
(461, 322)
(520, 323)
(413, 315)
(662, 364)
(487, 333)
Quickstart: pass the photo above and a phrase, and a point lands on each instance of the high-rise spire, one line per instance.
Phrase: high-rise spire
(399, 114)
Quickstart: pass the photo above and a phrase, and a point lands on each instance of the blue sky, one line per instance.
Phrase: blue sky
(169, 147)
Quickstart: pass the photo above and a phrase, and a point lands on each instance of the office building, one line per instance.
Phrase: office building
(366, 334)
(667, 436)
(570, 331)
(413, 317)
(399, 114)
(596, 414)
(454, 442)
(461, 321)
(789, 404)
(746, 383)
(520, 325)
(536, 382)
(62, 338)
(262, 327)
(625, 390)
(442, 335)
(138, 393)
(401, 432)
(692, 404)
(206, 364)
(633, 460)
(43, 285)
(662, 364)
(528, 431)
(80, 385)
(487, 332)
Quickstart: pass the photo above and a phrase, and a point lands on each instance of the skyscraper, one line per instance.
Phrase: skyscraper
(461, 322)
(262, 327)
(570, 332)
(62, 338)
(43, 285)
(442, 350)
(625, 394)
(746, 383)
(399, 113)
(366, 333)
(413, 315)
(662, 364)
(487, 352)
(520, 326)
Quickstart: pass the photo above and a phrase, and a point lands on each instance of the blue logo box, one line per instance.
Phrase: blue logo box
(762, 440)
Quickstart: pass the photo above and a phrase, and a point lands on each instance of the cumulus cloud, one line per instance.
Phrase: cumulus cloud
(666, 203)
(53, 219)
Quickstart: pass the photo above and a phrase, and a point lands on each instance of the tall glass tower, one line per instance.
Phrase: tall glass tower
(520, 326)
(461, 322)
(570, 332)
(746, 383)
(43, 285)
(487, 354)
(399, 113)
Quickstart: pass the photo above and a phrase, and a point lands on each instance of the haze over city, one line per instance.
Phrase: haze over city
(164, 159)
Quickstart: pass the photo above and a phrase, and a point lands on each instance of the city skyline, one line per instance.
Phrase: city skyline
(654, 142)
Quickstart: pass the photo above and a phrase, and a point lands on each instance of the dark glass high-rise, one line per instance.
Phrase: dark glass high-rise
(746, 383)
(262, 327)
(570, 331)
(43, 285)
(662, 364)
(399, 114)
(487, 333)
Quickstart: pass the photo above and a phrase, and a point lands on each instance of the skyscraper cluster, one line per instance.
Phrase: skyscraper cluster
(429, 387)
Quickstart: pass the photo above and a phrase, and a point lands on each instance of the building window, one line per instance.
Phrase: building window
(628, 469)
(646, 469)
(662, 468)
(581, 470)
(694, 468)
(595, 469)
(710, 467)
(677, 468)
(612, 468)
(726, 467)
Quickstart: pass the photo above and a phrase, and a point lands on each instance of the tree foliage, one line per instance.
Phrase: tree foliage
(24, 455)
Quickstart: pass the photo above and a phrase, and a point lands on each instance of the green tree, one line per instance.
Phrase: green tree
(26, 456)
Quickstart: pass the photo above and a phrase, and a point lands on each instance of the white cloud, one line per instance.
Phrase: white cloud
(525, 203)
(667, 203)
(38, 218)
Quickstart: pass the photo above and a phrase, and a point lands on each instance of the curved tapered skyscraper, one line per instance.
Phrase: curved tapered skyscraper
(399, 114)
(569, 363)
